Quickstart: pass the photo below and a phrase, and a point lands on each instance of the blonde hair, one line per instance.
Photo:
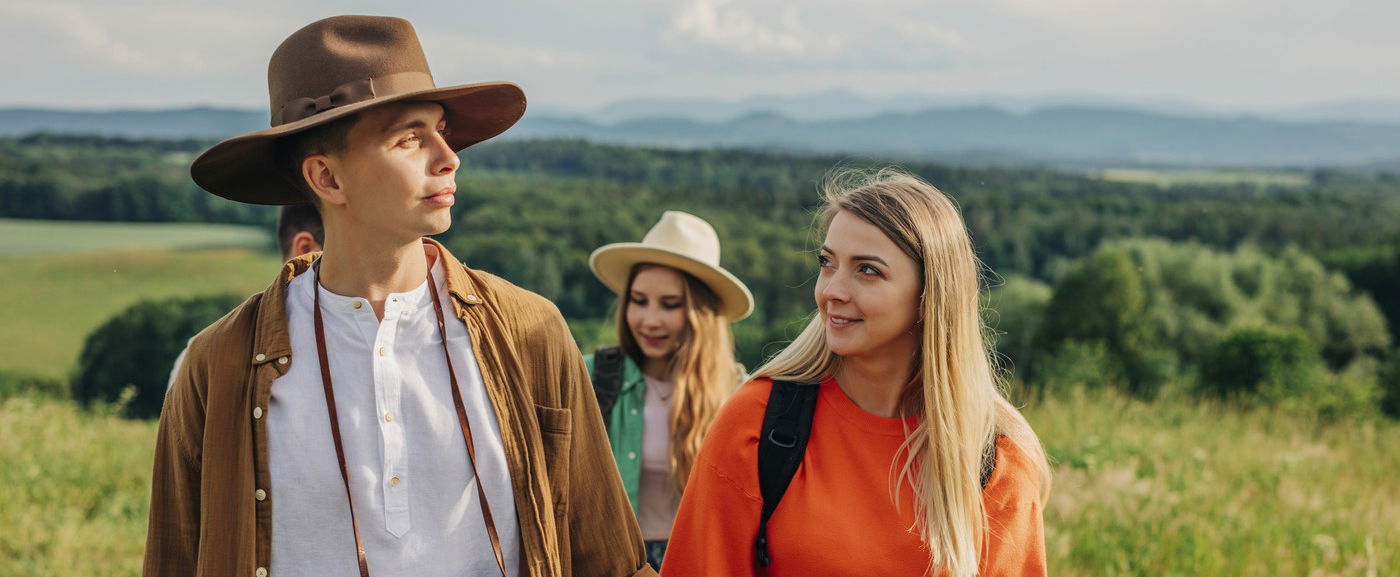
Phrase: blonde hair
(702, 371)
(956, 388)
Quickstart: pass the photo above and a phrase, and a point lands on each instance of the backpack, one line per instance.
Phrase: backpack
(607, 379)
(787, 424)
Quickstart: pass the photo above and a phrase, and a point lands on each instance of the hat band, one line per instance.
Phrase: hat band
(352, 92)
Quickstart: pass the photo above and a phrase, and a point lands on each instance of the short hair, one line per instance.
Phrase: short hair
(297, 218)
(329, 138)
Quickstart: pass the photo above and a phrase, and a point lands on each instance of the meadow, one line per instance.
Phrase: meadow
(86, 272)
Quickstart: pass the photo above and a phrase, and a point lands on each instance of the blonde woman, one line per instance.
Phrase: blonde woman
(661, 388)
(903, 456)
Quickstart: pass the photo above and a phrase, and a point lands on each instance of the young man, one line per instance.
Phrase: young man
(382, 409)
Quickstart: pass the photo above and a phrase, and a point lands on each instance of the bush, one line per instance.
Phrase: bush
(1266, 363)
(1078, 364)
(136, 348)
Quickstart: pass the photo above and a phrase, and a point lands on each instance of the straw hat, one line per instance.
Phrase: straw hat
(336, 67)
(681, 241)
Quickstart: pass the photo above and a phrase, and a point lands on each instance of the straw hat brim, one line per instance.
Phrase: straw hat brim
(245, 168)
(613, 263)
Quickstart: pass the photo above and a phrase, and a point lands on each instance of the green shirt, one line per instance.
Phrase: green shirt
(625, 425)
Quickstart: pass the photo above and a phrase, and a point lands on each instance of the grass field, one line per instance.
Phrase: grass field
(1165, 178)
(55, 298)
(1170, 488)
(24, 238)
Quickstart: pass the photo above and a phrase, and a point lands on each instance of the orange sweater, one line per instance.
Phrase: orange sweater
(837, 517)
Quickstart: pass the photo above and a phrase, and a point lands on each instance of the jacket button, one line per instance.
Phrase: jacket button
(260, 495)
(260, 357)
(261, 572)
(257, 412)
(473, 299)
(632, 455)
(282, 361)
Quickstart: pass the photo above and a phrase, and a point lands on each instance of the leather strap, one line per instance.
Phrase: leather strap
(456, 401)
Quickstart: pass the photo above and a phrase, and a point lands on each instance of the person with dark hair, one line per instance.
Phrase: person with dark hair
(381, 408)
(299, 232)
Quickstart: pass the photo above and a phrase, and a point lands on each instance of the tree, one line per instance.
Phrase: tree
(137, 347)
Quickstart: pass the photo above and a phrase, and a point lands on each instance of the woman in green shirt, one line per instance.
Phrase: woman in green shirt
(662, 386)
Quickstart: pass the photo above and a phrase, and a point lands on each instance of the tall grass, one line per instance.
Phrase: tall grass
(77, 490)
(1167, 488)
(1181, 487)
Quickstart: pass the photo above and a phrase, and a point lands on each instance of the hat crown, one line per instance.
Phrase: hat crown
(327, 54)
(686, 234)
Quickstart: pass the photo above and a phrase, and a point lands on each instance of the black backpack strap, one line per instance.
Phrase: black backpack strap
(989, 461)
(787, 424)
(607, 379)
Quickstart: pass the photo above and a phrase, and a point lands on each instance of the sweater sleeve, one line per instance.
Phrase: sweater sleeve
(718, 518)
(1015, 541)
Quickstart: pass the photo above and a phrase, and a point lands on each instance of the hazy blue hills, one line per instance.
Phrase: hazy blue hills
(1053, 135)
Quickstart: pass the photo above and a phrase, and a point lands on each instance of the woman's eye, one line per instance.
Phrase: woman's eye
(869, 270)
(822, 261)
(639, 302)
(672, 306)
(409, 141)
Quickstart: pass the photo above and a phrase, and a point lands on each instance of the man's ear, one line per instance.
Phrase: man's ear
(319, 172)
(302, 243)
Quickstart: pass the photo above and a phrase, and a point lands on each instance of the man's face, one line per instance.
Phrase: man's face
(397, 173)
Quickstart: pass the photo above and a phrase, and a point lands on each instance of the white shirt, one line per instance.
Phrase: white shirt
(413, 487)
(657, 497)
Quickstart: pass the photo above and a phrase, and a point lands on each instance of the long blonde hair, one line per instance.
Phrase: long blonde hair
(956, 387)
(702, 371)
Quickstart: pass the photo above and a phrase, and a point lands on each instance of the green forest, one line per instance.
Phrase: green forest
(1138, 280)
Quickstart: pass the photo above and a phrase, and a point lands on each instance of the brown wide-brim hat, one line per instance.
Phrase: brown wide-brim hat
(331, 69)
(681, 241)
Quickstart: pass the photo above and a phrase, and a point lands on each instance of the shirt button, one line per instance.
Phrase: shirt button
(634, 411)
(381, 351)
(260, 357)
(473, 299)
(282, 361)
(261, 572)
(260, 495)
(388, 417)
(632, 455)
(358, 304)
(257, 412)
(394, 482)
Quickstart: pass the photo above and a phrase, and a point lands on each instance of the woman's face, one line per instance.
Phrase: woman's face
(656, 312)
(867, 291)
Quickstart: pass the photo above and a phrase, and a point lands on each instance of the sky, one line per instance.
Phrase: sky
(1247, 55)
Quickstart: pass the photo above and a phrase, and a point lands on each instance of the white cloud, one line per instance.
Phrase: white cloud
(726, 25)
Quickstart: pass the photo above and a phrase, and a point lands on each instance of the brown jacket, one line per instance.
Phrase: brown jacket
(211, 499)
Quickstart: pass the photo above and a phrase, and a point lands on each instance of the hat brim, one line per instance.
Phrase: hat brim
(613, 263)
(245, 168)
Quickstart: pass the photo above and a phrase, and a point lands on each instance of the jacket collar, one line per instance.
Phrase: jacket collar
(272, 341)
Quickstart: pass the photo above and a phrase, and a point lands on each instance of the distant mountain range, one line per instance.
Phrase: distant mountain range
(1164, 133)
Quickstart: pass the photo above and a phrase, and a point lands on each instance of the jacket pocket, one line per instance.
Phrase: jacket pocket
(556, 434)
